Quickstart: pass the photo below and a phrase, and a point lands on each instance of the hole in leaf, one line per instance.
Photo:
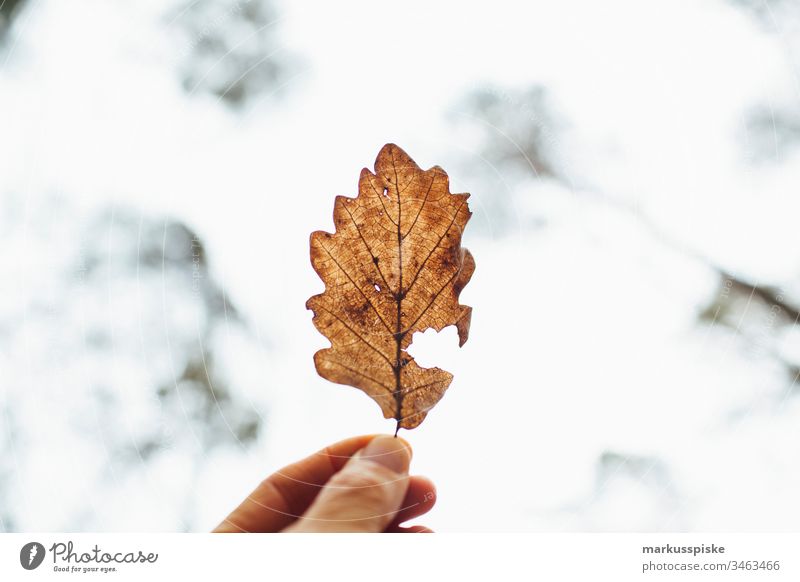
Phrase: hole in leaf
(431, 349)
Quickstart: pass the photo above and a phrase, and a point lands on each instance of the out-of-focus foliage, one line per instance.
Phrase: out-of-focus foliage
(513, 136)
(126, 323)
(772, 130)
(517, 128)
(614, 176)
(9, 9)
(761, 315)
(772, 133)
(769, 12)
(229, 48)
(512, 131)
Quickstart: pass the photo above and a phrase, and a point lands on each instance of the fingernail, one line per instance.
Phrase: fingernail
(393, 453)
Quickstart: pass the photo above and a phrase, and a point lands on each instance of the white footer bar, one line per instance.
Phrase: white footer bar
(406, 557)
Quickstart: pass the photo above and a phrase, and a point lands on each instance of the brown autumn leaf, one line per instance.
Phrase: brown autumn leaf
(393, 267)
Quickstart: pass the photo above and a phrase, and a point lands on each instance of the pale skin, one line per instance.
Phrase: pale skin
(360, 484)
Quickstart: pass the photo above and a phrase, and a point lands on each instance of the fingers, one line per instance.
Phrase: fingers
(411, 529)
(286, 495)
(419, 499)
(366, 494)
(281, 498)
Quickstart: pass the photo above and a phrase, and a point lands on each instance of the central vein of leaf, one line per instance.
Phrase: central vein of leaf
(398, 391)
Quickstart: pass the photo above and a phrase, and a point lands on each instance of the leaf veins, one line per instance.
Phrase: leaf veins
(394, 266)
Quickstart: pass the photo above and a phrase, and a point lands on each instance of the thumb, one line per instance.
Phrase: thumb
(365, 495)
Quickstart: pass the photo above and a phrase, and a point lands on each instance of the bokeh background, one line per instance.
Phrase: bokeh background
(634, 354)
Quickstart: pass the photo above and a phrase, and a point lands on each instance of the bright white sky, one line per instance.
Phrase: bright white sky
(604, 355)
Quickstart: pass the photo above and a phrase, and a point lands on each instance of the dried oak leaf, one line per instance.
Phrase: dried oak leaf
(393, 267)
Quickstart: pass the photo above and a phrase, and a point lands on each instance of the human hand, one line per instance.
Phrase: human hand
(359, 484)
